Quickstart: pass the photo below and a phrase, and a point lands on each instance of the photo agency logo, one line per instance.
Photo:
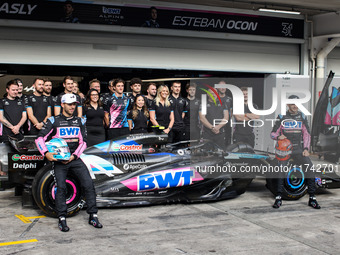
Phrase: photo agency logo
(279, 99)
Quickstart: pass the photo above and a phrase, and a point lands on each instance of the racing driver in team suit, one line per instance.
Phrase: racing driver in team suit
(294, 126)
(72, 130)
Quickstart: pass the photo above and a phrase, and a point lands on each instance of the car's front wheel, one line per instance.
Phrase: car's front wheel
(44, 190)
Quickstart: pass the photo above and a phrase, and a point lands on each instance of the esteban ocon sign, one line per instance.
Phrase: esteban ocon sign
(165, 18)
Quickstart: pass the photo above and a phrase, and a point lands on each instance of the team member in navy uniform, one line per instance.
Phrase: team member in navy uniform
(191, 119)
(94, 114)
(245, 133)
(38, 107)
(72, 130)
(161, 111)
(68, 85)
(116, 110)
(12, 113)
(214, 121)
(179, 105)
(294, 126)
(138, 117)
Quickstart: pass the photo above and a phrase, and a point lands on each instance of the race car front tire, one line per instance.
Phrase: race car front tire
(44, 190)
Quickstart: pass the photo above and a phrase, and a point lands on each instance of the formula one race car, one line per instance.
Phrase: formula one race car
(142, 169)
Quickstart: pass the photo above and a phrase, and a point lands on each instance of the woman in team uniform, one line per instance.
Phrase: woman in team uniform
(161, 111)
(138, 117)
(94, 114)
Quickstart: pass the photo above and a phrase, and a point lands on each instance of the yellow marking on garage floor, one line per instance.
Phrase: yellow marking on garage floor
(27, 219)
(19, 242)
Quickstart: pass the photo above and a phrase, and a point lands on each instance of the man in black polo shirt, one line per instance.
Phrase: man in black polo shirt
(38, 107)
(214, 121)
(12, 112)
(180, 108)
(243, 132)
(229, 102)
(152, 91)
(47, 92)
(191, 119)
(136, 87)
(68, 85)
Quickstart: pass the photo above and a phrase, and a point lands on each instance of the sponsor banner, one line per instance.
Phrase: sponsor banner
(162, 17)
(25, 161)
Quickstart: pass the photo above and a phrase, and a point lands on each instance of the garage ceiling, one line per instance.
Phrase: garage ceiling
(306, 7)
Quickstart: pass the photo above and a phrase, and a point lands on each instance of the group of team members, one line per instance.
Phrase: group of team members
(112, 114)
(109, 115)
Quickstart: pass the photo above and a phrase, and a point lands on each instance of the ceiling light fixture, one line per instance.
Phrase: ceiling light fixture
(279, 11)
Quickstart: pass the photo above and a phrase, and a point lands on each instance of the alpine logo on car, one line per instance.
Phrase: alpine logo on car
(98, 165)
(17, 157)
(163, 179)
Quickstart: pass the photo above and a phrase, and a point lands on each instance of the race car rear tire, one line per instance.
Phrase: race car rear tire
(294, 185)
(44, 188)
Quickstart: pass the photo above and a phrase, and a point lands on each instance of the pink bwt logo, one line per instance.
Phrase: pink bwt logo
(163, 179)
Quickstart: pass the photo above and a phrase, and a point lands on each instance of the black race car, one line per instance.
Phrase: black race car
(142, 169)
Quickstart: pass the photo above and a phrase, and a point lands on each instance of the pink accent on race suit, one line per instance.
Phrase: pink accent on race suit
(306, 137)
(0, 128)
(74, 191)
(40, 142)
(276, 134)
(82, 146)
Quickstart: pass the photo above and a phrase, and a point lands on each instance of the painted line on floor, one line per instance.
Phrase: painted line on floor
(19, 242)
(27, 219)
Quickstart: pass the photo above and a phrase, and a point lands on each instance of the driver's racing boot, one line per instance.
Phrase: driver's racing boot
(278, 202)
(62, 224)
(313, 203)
(93, 220)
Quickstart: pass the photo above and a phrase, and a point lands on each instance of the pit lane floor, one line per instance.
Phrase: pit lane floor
(245, 225)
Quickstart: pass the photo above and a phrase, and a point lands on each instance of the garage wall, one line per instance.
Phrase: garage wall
(90, 45)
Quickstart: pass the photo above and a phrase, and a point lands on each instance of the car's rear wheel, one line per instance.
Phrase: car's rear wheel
(294, 184)
(44, 190)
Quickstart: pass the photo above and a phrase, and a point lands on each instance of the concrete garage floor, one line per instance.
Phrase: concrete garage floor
(245, 225)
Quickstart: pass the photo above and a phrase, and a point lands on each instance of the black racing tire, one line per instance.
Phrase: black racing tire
(294, 185)
(43, 190)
